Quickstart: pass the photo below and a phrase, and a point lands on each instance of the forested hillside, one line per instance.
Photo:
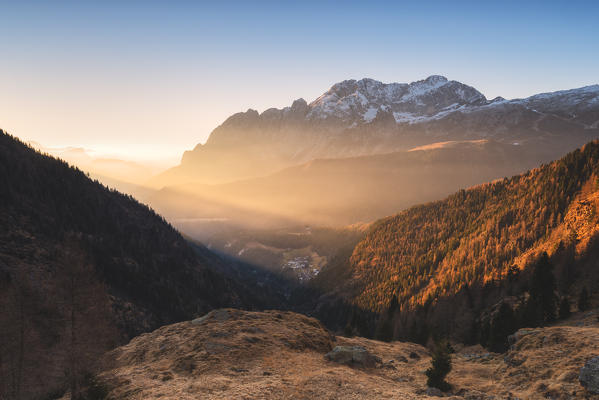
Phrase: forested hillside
(83, 268)
(442, 265)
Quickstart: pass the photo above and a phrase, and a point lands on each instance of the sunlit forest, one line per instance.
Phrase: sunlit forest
(481, 244)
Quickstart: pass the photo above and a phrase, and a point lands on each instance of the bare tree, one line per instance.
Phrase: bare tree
(14, 326)
(89, 329)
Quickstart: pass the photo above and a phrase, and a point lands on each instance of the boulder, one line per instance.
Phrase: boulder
(352, 355)
(589, 375)
(401, 358)
(220, 315)
(513, 339)
(434, 392)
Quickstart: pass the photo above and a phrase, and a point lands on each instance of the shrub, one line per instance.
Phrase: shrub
(564, 308)
(583, 300)
(440, 367)
(503, 324)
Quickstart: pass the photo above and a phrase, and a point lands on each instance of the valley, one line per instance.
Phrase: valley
(299, 200)
(392, 244)
(330, 167)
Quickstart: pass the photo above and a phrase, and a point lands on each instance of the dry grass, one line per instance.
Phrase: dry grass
(279, 355)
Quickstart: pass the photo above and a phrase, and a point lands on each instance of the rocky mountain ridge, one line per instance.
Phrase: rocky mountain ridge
(355, 102)
(365, 117)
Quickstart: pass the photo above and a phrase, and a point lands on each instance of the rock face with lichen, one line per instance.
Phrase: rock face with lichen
(589, 375)
(353, 355)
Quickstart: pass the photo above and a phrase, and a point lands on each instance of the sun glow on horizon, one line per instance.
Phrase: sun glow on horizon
(151, 80)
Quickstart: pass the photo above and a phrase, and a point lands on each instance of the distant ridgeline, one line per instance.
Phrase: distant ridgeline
(445, 266)
(366, 117)
(83, 268)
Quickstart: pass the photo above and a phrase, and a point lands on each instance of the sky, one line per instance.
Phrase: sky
(149, 79)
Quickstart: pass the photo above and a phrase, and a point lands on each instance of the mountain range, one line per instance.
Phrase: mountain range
(454, 223)
(365, 117)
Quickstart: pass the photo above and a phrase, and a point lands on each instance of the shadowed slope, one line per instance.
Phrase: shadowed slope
(83, 267)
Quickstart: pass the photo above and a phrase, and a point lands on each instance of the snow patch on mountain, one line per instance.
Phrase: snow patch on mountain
(352, 103)
(370, 114)
(406, 117)
(411, 118)
(420, 88)
(359, 101)
(580, 99)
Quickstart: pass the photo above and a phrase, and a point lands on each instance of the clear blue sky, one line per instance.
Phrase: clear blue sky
(157, 77)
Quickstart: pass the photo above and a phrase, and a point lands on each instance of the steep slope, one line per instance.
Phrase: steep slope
(434, 250)
(116, 169)
(448, 261)
(83, 267)
(365, 117)
(233, 354)
(297, 253)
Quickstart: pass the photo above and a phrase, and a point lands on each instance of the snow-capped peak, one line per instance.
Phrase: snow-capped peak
(354, 101)
(436, 79)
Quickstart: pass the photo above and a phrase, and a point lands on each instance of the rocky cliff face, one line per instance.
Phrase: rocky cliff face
(368, 117)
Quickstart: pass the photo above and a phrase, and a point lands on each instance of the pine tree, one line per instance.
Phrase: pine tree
(384, 329)
(564, 308)
(542, 303)
(583, 300)
(351, 322)
(348, 331)
(485, 333)
(440, 367)
(393, 306)
(503, 325)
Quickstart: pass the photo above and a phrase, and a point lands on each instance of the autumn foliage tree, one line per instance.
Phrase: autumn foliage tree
(472, 237)
(483, 239)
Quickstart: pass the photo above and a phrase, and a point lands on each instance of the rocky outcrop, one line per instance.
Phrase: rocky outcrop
(549, 359)
(589, 375)
(233, 354)
(513, 339)
(434, 392)
(353, 355)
